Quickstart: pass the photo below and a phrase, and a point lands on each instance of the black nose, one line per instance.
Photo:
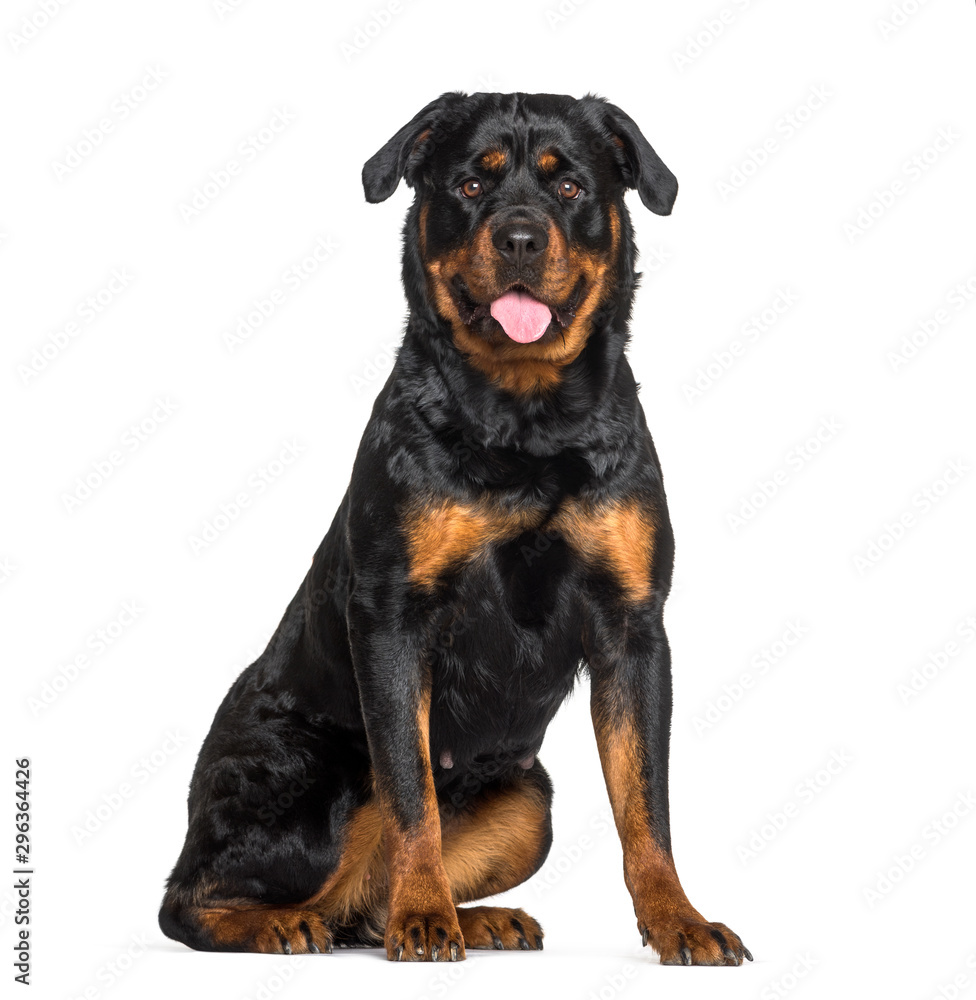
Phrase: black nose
(520, 242)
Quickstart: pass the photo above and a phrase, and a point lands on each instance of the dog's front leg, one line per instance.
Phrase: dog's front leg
(630, 671)
(394, 686)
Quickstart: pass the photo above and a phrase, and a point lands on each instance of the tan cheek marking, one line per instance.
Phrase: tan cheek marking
(523, 368)
(468, 260)
(619, 536)
(445, 533)
(567, 264)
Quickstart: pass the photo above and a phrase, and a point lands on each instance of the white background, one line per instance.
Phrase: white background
(809, 221)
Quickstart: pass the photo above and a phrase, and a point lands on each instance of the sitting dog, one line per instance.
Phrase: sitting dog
(505, 528)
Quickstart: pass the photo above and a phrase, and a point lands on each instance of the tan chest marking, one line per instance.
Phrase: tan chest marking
(445, 533)
(618, 536)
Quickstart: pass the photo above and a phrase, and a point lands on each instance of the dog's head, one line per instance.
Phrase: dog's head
(521, 228)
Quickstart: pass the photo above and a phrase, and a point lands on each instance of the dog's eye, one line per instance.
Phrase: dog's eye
(570, 190)
(472, 188)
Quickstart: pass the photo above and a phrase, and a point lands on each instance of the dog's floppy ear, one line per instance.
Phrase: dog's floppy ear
(405, 152)
(642, 168)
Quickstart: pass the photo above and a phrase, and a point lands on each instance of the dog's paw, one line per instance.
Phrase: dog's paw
(686, 941)
(499, 927)
(424, 937)
(269, 930)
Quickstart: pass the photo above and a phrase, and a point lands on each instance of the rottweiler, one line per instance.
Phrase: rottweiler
(504, 531)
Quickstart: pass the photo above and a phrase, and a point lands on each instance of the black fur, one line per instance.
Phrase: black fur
(326, 718)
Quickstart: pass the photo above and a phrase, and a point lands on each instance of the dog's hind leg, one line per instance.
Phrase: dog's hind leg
(205, 914)
(276, 799)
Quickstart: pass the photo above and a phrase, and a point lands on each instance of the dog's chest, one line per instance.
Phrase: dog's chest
(506, 579)
(504, 651)
(447, 537)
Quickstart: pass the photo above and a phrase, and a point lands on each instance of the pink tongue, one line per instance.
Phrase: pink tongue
(522, 317)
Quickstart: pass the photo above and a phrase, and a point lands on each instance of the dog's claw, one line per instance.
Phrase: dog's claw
(496, 942)
(747, 953)
(454, 951)
(645, 937)
(538, 942)
(398, 954)
(730, 954)
(686, 956)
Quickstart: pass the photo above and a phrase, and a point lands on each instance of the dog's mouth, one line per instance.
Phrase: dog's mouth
(522, 316)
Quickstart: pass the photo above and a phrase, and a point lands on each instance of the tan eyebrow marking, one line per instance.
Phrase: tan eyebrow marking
(494, 159)
(547, 161)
